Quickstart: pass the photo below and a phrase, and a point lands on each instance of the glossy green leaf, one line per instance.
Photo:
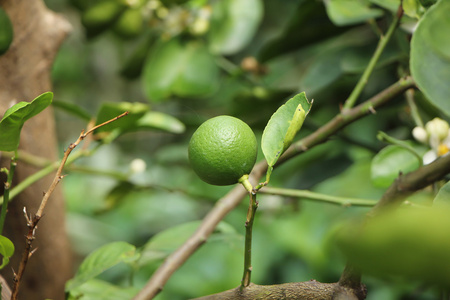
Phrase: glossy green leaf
(391, 161)
(117, 194)
(12, 122)
(101, 290)
(443, 196)
(412, 8)
(181, 69)
(349, 12)
(430, 55)
(100, 16)
(283, 126)
(167, 241)
(6, 32)
(109, 110)
(162, 121)
(233, 24)
(100, 260)
(73, 109)
(6, 250)
(391, 5)
(412, 243)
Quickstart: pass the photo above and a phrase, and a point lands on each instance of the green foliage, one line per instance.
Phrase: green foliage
(410, 242)
(283, 126)
(179, 68)
(392, 161)
(6, 32)
(233, 25)
(430, 55)
(102, 259)
(6, 250)
(12, 122)
(348, 12)
(189, 58)
(95, 289)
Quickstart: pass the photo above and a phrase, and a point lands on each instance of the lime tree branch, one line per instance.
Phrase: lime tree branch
(234, 197)
(32, 222)
(305, 194)
(346, 117)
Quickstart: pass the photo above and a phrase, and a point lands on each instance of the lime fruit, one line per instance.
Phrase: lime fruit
(222, 150)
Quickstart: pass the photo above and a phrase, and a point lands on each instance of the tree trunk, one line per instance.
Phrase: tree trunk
(24, 74)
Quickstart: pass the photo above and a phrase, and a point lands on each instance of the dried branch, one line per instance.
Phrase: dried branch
(32, 222)
(234, 197)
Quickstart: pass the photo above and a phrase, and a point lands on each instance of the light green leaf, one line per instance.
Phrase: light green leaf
(233, 24)
(100, 260)
(412, 8)
(411, 243)
(349, 12)
(6, 250)
(391, 161)
(167, 241)
(6, 32)
(109, 110)
(100, 290)
(159, 120)
(12, 122)
(73, 109)
(391, 5)
(430, 55)
(283, 126)
(443, 197)
(182, 69)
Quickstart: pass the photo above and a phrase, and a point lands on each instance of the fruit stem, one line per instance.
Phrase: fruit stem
(246, 183)
(253, 205)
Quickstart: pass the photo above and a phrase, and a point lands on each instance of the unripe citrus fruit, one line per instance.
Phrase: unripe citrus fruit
(222, 150)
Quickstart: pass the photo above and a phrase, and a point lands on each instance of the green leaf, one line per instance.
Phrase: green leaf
(391, 5)
(412, 243)
(6, 32)
(12, 122)
(109, 110)
(233, 24)
(283, 126)
(430, 55)
(391, 161)
(100, 260)
(117, 194)
(167, 241)
(443, 196)
(412, 8)
(6, 250)
(159, 120)
(73, 109)
(101, 290)
(181, 69)
(349, 12)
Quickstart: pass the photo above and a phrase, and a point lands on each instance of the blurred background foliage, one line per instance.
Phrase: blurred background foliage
(176, 63)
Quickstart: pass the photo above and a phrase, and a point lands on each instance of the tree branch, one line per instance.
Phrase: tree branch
(234, 197)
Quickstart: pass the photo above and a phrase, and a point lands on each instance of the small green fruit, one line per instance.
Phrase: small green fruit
(222, 150)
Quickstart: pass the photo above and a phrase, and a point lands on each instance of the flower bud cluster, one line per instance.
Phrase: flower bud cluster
(436, 134)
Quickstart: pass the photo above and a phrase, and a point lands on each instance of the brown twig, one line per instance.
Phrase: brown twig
(234, 197)
(32, 222)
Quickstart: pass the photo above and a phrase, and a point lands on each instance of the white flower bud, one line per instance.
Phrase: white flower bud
(438, 128)
(420, 134)
(137, 166)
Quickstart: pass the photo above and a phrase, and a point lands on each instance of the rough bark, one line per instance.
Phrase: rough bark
(24, 74)
(309, 290)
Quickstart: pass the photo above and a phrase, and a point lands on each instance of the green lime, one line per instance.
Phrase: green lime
(222, 150)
